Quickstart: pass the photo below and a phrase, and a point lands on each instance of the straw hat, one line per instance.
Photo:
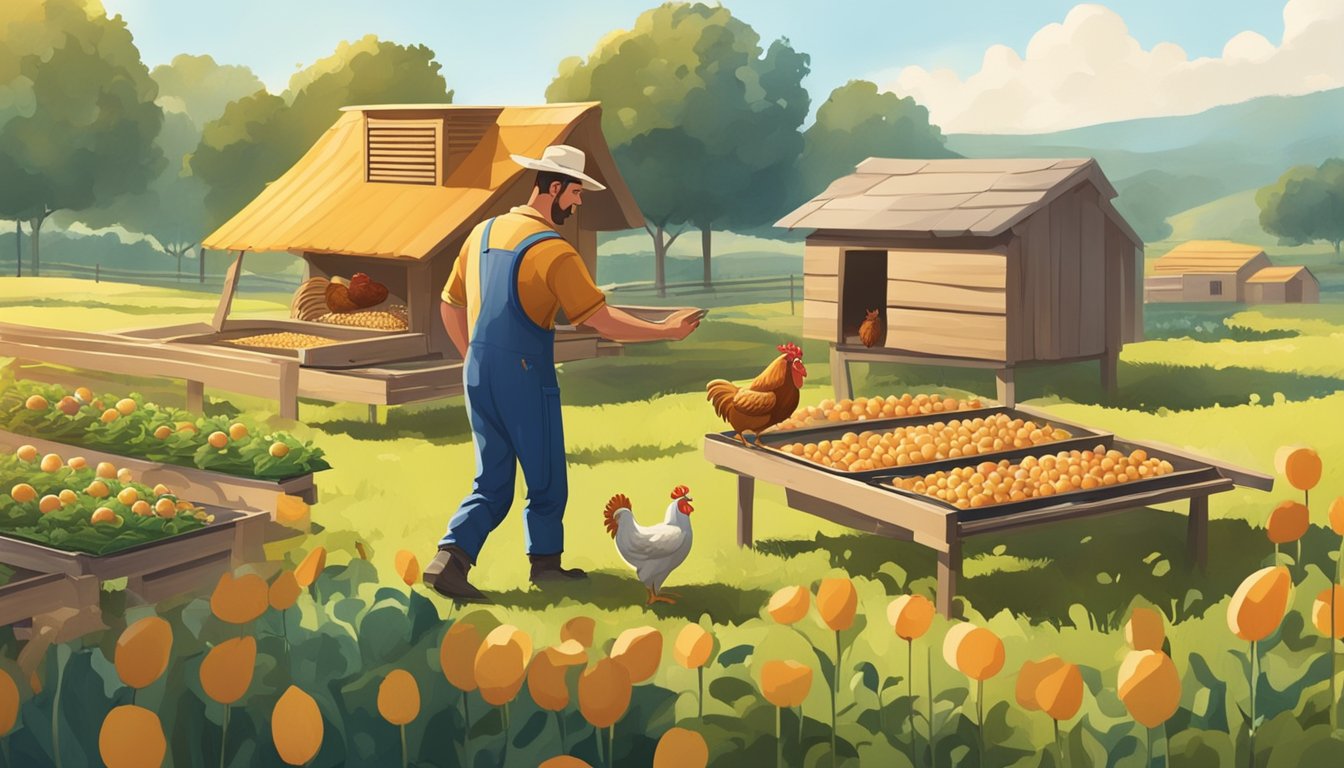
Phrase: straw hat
(561, 158)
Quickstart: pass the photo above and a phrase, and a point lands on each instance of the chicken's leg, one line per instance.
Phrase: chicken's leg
(743, 440)
(657, 598)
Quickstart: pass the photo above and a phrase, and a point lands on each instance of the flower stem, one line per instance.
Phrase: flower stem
(1166, 745)
(223, 736)
(56, 716)
(404, 757)
(700, 699)
(611, 746)
(504, 756)
(560, 722)
(933, 751)
(835, 694)
(980, 715)
(466, 729)
(910, 689)
(779, 737)
(1254, 684)
(1059, 745)
(800, 726)
(1149, 762)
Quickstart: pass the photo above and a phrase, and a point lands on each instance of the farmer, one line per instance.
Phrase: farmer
(499, 305)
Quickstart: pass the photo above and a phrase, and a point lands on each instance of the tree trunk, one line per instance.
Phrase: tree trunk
(660, 263)
(18, 248)
(1337, 249)
(35, 231)
(200, 256)
(705, 236)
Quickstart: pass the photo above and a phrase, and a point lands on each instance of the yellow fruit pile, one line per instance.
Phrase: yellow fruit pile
(864, 408)
(285, 340)
(989, 483)
(922, 443)
(394, 318)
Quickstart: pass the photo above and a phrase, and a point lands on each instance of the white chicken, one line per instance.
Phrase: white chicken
(654, 550)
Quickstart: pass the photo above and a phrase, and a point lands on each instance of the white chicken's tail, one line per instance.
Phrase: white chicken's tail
(616, 504)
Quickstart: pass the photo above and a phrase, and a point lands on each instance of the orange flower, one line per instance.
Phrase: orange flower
(131, 737)
(240, 600)
(501, 664)
(143, 651)
(226, 671)
(1060, 694)
(974, 651)
(457, 655)
(604, 693)
(1288, 522)
(547, 684)
(693, 646)
(785, 683)
(639, 650)
(579, 628)
(789, 604)
(408, 567)
(1300, 464)
(910, 616)
(1259, 603)
(9, 703)
(837, 602)
(285, 590)
(398, 697)
(681, 748)
(1150, 687)
(1145, 630)
(567, 654)
(1337, 515)
(563, 761)
(1320, 612)
(296, 726)
(311, 567)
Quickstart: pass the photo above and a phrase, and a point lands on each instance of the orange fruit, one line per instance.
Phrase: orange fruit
(185, 426)
(83, 394)
(27, 453)
(51, 462)
(237, 431)
(279, 450)
(165, 508)
(103, 515)
(98, 489)
(49, 504)
(78, 462)
(68, 405)
(163, 432)
(36, 403)
(109, 416)
(68, 496)
(124, 475)
(23, 493)
(128, 496)
(218, 440)
(161, 490)
(126, 406)
(105, 470)
(142, 508)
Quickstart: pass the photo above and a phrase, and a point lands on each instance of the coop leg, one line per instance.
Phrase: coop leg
(195, 396)
(1197, 533)
(373, 413)
(746, 500)
(949, 570)
(1110, 372)
(1006, 386)
(844, 387)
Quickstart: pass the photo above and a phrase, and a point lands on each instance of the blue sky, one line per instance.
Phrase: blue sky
(506, 53)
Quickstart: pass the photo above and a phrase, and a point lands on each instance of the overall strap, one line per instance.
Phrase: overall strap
(485, 246)
(514, 299)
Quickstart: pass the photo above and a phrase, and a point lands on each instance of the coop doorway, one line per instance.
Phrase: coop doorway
(1293, 292)
(864, 288)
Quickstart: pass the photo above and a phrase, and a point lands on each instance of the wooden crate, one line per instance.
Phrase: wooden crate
(160, 569)
(68, 604)
(279, 498)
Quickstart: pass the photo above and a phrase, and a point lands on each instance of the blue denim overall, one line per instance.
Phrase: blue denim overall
(513, 403)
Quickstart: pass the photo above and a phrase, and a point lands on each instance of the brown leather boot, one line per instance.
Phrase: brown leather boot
(447, 575)
(548, 568)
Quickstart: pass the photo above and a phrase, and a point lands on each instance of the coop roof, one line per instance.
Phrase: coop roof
(1279, 274)
(328, 203)
(949, 198)
(1207, 256)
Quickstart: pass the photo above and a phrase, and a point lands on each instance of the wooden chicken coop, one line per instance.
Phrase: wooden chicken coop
(391, 191)
(991, 264)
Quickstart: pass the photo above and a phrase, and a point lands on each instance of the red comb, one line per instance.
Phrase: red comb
(680, 491)
(791, 350)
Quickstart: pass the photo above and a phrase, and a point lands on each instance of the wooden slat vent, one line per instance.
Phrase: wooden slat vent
(403, 151)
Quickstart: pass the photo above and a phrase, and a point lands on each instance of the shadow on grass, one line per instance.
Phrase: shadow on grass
(607, 453)
(1143, 387)
(447, 424)
(614, 590)
(1100, 564)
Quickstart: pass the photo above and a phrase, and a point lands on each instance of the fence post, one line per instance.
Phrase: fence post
(97, 272)
(791, 312)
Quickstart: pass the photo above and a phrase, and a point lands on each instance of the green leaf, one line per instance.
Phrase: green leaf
(738, 654)
(535, 725)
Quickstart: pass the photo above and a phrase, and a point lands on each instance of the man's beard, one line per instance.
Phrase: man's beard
(558, 214)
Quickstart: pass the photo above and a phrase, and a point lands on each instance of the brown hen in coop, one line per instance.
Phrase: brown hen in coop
(870, 332)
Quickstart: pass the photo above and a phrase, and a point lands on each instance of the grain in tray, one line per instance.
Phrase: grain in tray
(285, 340)
(923, 443)
(989, 483)
(865, 408)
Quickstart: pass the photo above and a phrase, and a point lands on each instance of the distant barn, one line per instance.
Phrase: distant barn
(1220, 270)
(983, 263)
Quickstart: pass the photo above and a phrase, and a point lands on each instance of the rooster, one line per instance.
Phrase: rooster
(365, 292)
(768, 400)
(870, 332)
(653, 551)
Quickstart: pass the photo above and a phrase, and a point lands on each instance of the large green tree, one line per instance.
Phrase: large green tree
(78, 118)
(702, 121)
(200, 88)
(856, 122)
(1306, 204)
(258, 137)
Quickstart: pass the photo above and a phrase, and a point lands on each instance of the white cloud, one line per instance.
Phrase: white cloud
(1090, 70)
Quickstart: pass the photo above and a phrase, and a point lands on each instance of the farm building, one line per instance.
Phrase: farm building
(984, 263)
(1204, 270)
(1283, 285)
(391, 191)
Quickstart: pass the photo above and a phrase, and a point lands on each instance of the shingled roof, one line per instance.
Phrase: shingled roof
(949, 198)
(1279, 274)
(1206, 257)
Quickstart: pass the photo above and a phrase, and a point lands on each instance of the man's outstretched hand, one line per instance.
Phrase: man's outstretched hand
(681, 324)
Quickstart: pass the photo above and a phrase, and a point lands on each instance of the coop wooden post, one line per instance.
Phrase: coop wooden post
(844, 388)
(1197, 533)
(226, 296)
(195, 396)
(288, 386)
(949, 570)
(1110, 372)
(1006, 387)
(746, 499)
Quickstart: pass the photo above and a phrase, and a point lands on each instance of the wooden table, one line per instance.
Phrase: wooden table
(869, 508)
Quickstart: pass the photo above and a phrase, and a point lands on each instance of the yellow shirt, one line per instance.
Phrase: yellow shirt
(551, 277)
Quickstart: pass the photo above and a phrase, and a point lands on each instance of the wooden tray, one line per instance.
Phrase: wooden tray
(1083, 438)
(29, 594)
(1187, 471)
(201, 486)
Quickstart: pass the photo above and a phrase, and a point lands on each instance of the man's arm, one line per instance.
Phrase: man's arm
(455, 322)
(619, 325)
